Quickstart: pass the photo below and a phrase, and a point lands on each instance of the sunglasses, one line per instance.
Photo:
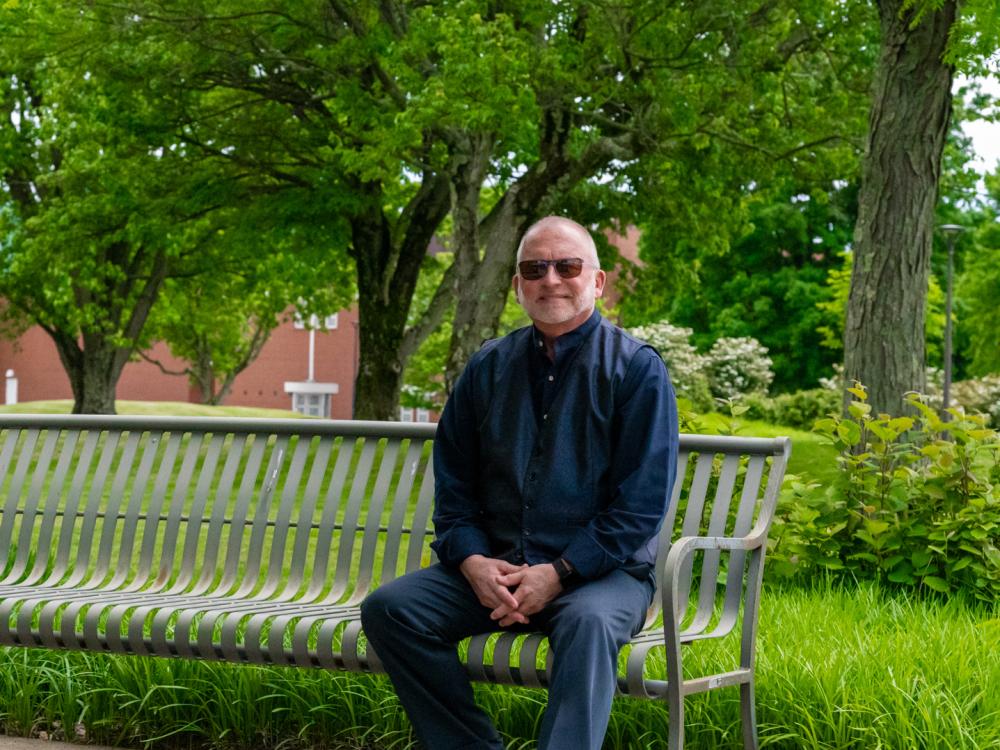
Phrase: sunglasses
(567, 268)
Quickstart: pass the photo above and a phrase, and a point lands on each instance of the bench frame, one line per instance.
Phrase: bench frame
(255, 540)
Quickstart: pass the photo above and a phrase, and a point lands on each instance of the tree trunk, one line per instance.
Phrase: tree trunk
(483, 290)
(93, 371)
(388, 263)
(911, 109)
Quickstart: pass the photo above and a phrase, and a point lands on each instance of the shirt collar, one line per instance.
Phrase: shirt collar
(570, 339)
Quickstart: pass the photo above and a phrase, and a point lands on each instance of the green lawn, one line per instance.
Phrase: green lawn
(154, 408)
(812, 455)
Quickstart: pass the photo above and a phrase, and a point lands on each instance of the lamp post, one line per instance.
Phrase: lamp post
(951, 232)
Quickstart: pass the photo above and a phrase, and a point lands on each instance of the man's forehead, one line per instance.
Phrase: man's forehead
(555, 236)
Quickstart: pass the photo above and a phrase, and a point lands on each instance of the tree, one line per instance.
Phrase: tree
(471, 119)
(106, 205)
(220, 320)
(89, 222)
(911, 106)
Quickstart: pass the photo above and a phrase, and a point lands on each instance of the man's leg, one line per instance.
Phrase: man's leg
(587, 626)
(414, 623)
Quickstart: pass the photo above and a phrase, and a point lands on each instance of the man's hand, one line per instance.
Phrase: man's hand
(534, 587)
(484, 574)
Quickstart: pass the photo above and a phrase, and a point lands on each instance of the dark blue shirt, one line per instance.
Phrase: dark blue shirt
(536, 459)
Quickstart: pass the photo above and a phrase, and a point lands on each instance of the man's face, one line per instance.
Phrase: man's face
(552, 300)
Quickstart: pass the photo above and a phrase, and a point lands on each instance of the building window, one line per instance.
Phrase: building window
(423, 415)
(312, 404)
(405, 414)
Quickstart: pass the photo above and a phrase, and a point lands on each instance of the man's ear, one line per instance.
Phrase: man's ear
(515, 283)
(599, 278)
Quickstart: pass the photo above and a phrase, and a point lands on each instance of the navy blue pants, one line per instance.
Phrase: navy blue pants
(415, 622)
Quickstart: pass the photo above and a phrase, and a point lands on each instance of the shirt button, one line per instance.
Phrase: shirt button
(551, 378)
(527, 532)
(545, 416)
(531, 476)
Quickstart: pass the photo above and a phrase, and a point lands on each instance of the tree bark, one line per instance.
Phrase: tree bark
(93, 370)
(911, 109)
(388, 263)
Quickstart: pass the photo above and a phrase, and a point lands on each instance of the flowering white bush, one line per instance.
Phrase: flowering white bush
(979, 395)
(688, 369)
(738, 366)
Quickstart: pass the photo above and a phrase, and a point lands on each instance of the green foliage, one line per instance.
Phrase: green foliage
(978, 285)
(800, 409)
(769, 284)
(918, 504)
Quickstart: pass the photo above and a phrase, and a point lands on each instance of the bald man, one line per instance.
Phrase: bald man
(553, 462)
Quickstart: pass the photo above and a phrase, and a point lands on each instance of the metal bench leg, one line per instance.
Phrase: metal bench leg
(748, 713)
(675, 706)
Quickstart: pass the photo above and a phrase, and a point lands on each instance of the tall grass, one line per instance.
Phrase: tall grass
(837, 668)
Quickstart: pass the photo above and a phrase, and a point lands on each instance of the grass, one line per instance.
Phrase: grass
(837, 668)
(154, 408)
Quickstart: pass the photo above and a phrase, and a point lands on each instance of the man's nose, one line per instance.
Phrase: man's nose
(551, 275)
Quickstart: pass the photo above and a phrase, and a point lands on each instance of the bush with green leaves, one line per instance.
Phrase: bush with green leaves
(800, 409)
(918, 504)
(738, 366)
(687, 368)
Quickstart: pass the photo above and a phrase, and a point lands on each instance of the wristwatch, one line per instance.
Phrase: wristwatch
(563, 569)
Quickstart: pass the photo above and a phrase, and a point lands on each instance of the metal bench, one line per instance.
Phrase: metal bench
(250, 540)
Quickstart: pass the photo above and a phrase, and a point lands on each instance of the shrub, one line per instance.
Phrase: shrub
(980, 396)
(918, 504)
(738, 366)
(800, 409)
(687, 367)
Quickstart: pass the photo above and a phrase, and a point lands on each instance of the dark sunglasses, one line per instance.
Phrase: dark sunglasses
(567, 268)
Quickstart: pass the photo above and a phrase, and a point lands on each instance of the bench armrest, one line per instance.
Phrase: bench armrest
(677, 565)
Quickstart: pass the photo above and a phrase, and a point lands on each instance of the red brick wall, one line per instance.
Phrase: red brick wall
(285, 357)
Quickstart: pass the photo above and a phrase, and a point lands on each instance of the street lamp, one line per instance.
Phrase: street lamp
(951, 232)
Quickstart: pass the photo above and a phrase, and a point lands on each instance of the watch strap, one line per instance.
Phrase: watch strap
(563, 570)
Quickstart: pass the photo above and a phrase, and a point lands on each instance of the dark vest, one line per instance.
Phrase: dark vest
(543, 478)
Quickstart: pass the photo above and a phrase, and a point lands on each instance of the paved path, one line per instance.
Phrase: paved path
(16, 743)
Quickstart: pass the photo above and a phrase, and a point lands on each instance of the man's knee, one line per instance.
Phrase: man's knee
(380, 610)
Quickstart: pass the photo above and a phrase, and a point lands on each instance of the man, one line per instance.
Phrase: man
(553, 462)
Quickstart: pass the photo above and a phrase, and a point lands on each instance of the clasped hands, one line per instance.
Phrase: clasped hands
(513, 592)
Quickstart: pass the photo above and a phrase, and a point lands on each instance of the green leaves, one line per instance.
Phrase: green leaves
(912, 507)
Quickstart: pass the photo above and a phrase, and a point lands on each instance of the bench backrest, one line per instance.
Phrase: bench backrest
(304, 510)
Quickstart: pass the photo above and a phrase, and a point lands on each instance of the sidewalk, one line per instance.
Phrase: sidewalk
(17, 743)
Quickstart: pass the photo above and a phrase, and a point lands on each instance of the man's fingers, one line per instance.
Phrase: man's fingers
(513, 578)
(505, 567)
(514, 617)
(501, 612)
(506, 597)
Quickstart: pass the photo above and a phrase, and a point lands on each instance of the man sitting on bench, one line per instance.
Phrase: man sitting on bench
(554, 461)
